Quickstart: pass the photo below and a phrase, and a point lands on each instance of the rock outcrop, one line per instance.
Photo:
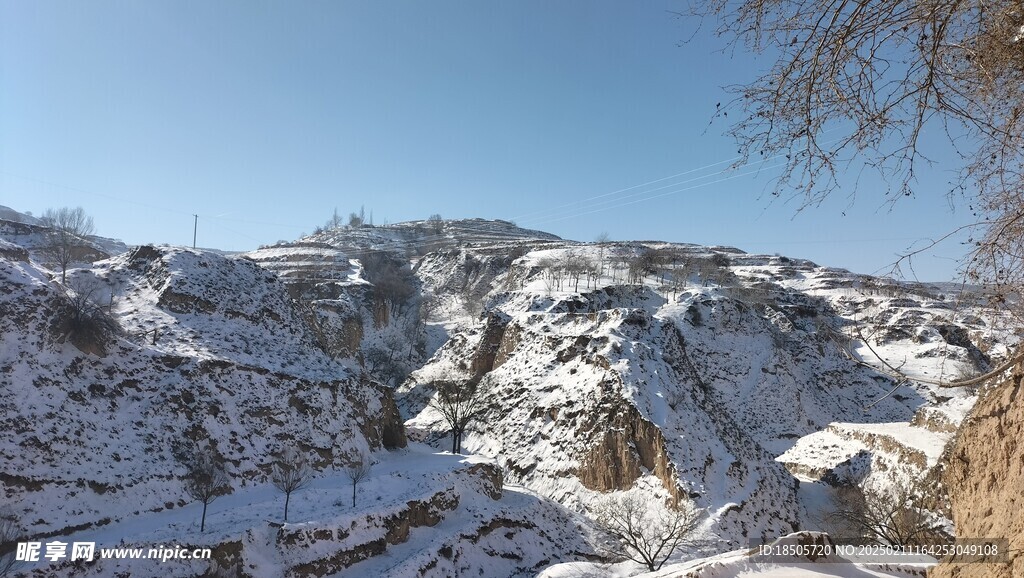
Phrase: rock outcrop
(984, 475)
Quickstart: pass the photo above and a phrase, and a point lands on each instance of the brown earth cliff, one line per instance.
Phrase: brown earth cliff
(984, 474)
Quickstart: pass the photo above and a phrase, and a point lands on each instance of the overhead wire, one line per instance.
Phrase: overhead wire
(577, 202)
(732, 167)
(645, 199)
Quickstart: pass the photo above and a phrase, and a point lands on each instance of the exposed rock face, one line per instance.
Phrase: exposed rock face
(375, 325)
(350, 543)
(984, 475)
(485, 358)
(389, 422)
(589, 398)
(489, 479)
(630, 446)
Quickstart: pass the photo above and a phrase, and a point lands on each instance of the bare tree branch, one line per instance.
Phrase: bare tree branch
(10, 534)
(68, 229)
(460, 403)
(357, 471)
(291, 473)
(205, 476)
(871, 81)
(644, 530)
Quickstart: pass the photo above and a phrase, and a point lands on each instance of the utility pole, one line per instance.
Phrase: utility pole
(195, 228)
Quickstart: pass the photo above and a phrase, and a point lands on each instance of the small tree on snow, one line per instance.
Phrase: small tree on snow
(68, 229)
(291, 473)
(459, 402)
(643, 529)
(436, 223)
(205, 477)
(358, 471)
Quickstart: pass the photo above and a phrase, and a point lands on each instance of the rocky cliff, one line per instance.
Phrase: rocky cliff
(984, 476)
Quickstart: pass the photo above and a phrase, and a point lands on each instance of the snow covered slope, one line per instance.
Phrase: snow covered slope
(30, 233)
(691, 377)
(9, 214)
(744, 383)
(418, 514)
(88, 437)
(215, 350)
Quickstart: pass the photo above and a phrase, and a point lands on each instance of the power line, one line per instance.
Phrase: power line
(574, 203)
(95, 194)
(665, 194)
(563, 215)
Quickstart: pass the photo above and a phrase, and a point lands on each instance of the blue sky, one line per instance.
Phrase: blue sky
(262, 117)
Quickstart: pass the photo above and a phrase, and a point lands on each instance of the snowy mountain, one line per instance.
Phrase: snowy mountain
(749, 385)
(420, 237)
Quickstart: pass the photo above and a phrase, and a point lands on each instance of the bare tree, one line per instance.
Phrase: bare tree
(82, 320)
(895, 516)
(68, 229)
(357, 220)
(602, 239)
(334, 222)
(291, 473)
(645, 530)
(865, 80)
(678, 277)
(205, 477)
(10, 534)
(575, 265)
(436, 223)
(460, 403)
(642, 264)
(358, 471)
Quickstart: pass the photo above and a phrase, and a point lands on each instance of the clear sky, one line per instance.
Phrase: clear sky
(262, 117)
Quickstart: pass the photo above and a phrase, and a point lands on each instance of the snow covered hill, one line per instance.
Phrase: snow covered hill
(420, 237)
(750, 385)
(214, 350)
(705, 379)
(418, 514)
(9, 214)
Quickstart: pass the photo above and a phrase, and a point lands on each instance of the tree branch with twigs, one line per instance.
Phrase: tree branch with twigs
(460, 403)
(358, 471)
(206, 479)
(67, 229)
(10, 534)
(865, 81)
(644, 529)
(291, 472)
